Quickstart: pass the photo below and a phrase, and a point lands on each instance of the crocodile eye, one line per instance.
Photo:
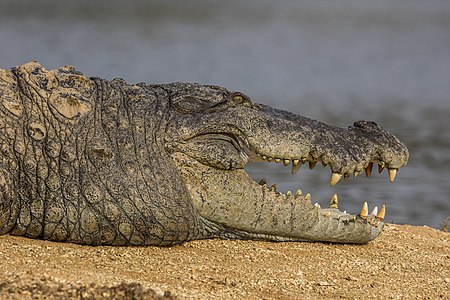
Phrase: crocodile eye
(238, 99)
(242, 100)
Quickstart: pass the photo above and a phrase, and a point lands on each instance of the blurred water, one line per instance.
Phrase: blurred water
(333, 60)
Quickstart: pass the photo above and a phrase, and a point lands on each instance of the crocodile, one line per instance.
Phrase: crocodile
(103, 162)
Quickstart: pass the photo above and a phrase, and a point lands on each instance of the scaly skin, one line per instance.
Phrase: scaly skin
(89, 161)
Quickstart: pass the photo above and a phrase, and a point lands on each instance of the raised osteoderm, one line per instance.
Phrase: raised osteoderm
(91, 161)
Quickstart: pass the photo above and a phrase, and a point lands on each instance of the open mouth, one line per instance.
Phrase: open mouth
(294, 141)
(376, 216)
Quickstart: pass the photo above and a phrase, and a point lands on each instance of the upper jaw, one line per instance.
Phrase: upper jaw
(353, 168)
(347, 152)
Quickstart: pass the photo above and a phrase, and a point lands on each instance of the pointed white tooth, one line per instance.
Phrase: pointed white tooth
(269, 158)
(299, 193)
(380, 167)
(355, 173)
(296, 162)
(308, 196)
(317, 205)
(345, 212)
(258, 154)
(264, 157)
(335, 177)
(289, 193)
(392, 173)
(295, 168)
(374, 211)
(334, 201)
(364, 211)
(382, 213)
(286, 162)
(277, 160)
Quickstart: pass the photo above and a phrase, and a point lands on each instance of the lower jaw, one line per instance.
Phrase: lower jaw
(232, 200)
(257, 212)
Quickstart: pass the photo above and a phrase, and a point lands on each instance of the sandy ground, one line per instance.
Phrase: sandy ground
(405, 262)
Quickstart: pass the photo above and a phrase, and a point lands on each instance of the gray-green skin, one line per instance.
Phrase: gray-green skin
(91, 161)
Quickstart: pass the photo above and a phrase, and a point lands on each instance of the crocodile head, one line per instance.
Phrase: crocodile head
(213, 134)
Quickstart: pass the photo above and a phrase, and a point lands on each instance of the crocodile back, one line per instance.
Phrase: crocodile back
(83, 160)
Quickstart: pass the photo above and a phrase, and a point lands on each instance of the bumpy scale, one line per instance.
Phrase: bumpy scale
(91, 161)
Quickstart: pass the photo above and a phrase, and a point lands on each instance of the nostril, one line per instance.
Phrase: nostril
(368, 125)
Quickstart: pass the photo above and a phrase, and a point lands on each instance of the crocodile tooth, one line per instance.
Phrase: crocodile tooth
(335, 177)
(317, 205)
(312, 164)
(269, 158)
(299, 193)
(289, 193)
(286, 162)
(277, 160)
(369, 169)
(308, 196)
(374, 211)
(355, 173)
(258, 154)
(380, 167)
(264, 157)
(334, 201)
(263, 181)
(382, 213)
(296, 162)
(364, 211)
(392, 173)
(346, 176)
(273, 188)
(295, 168)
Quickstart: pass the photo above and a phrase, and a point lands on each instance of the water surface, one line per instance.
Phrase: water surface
(333, 60)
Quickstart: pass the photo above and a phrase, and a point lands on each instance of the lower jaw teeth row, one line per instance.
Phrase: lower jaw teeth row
(273, 188)
(364, 213)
